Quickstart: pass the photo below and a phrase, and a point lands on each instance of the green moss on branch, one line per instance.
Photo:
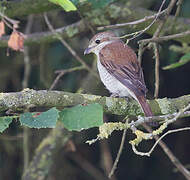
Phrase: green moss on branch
(26, 7)
(43, 98)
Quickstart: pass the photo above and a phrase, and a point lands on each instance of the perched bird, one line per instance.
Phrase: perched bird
(119, 68)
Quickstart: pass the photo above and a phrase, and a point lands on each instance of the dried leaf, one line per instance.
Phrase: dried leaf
(16, 41)
(2, 28)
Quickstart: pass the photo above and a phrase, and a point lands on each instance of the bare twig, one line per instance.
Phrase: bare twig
(62, 72)
(119, 153)
(174, 159)
(12, 138)
(155, 46)
(162, 118)
(168, 132)
(168, 152)
(12, 21)
(169, 118)
(87, 166)
(138, 33)
(68, 47)
(157, 65)
(146, 18)
(167, 122)
(106, 157)
(162, 23)
(179, 3)
(179, 114)
(165, 38)
(143, 42)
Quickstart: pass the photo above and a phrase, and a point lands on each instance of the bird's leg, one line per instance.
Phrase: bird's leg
(127, 98)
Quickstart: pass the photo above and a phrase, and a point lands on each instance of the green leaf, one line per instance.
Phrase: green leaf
(82, 117)
(46, 119)
(183, 60)
(4, 122)
(65, 4)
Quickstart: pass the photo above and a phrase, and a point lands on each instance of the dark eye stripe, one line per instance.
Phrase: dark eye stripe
(97, 41)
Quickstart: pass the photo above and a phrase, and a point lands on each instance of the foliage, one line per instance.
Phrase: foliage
(46, 119)
(82, 117)
(68, 5)
(4, 122)
(76, 118)
(65, 4)
(183, 60)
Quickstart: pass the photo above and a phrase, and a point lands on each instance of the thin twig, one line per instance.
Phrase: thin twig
(179, 3)
(158, 139)
(146, 18)
(68, 47)
(165, 38)
(168, 132)
(138, 33)
(118, 154)
(155, 46)
(141, 51)
(179, 114)
(106, 157)
(168, 152)
(171, 156)
(157, 65)
(12, 138)
(143, 42)
(7, 23)
(12, 21)
(63, 72)
(162, 118)
(87, 166)
(78, 68)
(162, 23)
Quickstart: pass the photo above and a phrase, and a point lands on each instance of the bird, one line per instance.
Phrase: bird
(119, 68)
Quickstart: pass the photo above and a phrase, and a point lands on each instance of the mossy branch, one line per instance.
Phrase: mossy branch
(119, 106)
(116, 12)
(26, 7)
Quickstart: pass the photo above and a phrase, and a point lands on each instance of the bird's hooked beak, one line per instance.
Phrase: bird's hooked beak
(88, 50)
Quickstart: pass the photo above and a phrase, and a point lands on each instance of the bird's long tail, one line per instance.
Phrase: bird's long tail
(145, 106)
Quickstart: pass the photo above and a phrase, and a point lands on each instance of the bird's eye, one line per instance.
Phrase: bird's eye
(97, 41)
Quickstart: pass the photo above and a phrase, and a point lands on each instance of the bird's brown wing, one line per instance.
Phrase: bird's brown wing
(121, 61)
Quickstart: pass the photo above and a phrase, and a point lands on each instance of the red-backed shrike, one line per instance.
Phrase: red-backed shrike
(119, 68)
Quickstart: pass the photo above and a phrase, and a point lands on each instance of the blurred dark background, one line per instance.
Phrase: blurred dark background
(45, 59)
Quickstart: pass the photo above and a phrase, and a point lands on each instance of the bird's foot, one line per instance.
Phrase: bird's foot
(127, 98)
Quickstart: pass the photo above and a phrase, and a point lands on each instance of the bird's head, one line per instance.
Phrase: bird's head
(99, 41)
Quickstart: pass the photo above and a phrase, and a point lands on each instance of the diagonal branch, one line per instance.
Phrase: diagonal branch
(68, 46)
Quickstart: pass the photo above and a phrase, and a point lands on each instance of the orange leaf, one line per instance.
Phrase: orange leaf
(16, 41)
(2, 28)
